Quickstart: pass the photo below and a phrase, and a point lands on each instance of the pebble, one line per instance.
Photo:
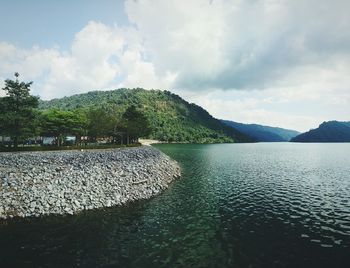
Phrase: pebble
(67, 182)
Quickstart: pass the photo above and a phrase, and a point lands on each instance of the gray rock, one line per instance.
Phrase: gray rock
(71, 181)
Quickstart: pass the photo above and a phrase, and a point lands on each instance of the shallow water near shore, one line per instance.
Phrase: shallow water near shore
(236, 205)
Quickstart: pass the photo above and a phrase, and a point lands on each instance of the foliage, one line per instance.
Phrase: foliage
(59, 123)
(101, 121)
(124, 114)
(170, 117)
(135, 124)
(17, 110)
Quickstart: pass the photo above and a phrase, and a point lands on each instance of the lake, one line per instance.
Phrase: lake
(236, 205)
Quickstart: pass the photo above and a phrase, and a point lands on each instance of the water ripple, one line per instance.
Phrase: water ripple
(241, 205)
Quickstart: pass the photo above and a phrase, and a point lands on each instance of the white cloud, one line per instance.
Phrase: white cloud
(87, 66)
(101, 58)
(102, 54)
(32, 62)
(239, 44)
(292, 107)
(290, 58)
(184, 38)
(241, 106)
(142, 74)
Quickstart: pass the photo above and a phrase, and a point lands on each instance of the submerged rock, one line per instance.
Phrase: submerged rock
(66, 182)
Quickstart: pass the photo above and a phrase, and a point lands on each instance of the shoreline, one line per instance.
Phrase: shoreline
(67, 182)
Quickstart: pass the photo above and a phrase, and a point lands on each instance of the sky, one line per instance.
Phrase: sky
(281, 63)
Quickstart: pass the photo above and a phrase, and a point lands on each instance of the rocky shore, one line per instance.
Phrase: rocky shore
(66, 182)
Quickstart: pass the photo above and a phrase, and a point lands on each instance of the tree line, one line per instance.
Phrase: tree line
(21, 119)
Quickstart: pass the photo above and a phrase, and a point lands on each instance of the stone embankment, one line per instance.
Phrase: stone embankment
(66, 182)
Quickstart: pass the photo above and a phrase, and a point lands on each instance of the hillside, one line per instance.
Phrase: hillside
(171, 118)
(263, 133)
(331, 131)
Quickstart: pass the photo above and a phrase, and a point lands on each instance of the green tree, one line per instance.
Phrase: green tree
(59, 124)
(135, 124)
(101, 122)
(18, 110)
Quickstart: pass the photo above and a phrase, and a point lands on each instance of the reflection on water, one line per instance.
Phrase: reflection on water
(239, 205)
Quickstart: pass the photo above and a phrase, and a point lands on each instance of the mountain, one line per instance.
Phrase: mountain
(263, 133)
(171, 118)
(331, 131)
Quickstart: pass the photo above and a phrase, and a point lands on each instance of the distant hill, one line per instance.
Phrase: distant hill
(172, 118)
(331, 131)
(263, 133)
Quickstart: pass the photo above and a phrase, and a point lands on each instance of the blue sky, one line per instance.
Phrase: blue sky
(51, 22)
(274, 62)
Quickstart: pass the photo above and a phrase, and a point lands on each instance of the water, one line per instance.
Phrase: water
(239, 205)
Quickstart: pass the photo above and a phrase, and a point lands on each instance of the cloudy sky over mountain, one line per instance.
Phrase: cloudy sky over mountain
(276, 62)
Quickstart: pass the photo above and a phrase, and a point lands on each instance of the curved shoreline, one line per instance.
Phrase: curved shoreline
(67, 182)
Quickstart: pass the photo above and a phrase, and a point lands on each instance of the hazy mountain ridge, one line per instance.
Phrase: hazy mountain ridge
(171, 118)
(263, 133)
(331, 131)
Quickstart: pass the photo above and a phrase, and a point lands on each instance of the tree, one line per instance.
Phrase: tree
(101, 122)
(135, 124)
(17, 110)
(62, 123)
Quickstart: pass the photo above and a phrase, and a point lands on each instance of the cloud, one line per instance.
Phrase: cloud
(240, 44)
(294, 107)
(242, 106)
(88, 64)
(290, 59)
(32, 62)
(139, 73)
(195, 45)
(101, 57)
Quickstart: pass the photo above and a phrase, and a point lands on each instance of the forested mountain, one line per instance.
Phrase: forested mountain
(263, 133)
(331, 131)
(171, 118)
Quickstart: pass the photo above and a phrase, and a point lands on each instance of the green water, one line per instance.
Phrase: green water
(236, 205)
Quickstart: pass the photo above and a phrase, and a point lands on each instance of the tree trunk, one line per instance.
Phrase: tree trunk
(78, 140)
(15, 141)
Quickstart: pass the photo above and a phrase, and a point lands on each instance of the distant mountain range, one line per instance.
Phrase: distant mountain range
(263, 133)
(171, 118)
(331, 131)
